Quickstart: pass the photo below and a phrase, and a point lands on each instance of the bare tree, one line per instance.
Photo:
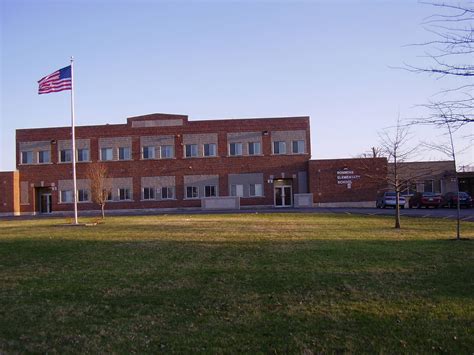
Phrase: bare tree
(450, 53)
(449, 150)
(394, 145)
(97, 174)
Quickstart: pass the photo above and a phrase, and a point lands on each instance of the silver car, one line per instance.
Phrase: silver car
(389, 199)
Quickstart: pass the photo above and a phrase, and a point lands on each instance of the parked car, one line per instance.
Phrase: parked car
(425, 199)
(450, 199)
(389, 199)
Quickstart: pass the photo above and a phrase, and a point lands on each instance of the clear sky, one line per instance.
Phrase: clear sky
(331, 60)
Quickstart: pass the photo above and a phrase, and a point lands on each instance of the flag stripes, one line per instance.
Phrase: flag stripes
(58, 81)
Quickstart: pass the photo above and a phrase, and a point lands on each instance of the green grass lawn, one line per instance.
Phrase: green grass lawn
(253, 283)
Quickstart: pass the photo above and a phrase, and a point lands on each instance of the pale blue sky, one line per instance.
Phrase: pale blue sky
(330, 60)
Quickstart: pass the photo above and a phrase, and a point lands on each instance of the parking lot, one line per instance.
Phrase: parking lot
(467, 214)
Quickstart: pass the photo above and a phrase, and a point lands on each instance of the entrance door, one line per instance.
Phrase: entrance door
(44, 201)
(283, 196)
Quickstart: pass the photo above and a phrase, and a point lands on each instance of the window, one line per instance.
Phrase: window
(428, 186)
(237, 190)
(43, 156)
(82, 195)
(167, 151)
(124, 153)
(209, 150)
(256, 190)
(148, 193)
(65, 196)
(191, 150)
(192, 192)
(148, 152)
(298, 147)
(106, 154)
(235, 149)
(83, 154)
(254, 148)
(65, 155)
(109, 196)
(210, 191)
(279, 148)
(27, 157)
(167, 193)
(124, 194)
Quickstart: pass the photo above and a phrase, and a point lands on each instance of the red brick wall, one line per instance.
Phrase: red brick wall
(369, 177)
(9, 192)
(48, 175)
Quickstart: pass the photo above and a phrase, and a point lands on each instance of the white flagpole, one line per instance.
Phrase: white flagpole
(73, 137)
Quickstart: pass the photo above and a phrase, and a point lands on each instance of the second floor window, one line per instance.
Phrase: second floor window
(254, 148)
(27, 157)
(298, 147)
(167, 151)
(191, 150)
(43, 156)
(279, 148)
(65, 155)
(148, 153)
(106, 154)
(235, 149)
(83, 154)
(210, 150)
(124, 153)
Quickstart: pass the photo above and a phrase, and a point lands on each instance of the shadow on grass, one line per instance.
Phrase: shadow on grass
(163, 289)
(192, 296)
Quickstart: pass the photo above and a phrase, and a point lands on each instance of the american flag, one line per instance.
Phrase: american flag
(58, 81)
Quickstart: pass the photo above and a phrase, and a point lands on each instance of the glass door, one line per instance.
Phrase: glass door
(45, 203)
(283, 196)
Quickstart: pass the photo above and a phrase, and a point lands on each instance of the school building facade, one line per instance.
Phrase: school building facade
(164, 161)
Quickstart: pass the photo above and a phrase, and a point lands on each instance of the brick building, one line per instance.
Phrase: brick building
(166, 161)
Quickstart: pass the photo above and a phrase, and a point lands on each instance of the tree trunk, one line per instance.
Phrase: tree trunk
(397, 211)
(458, 219)
(102, 207)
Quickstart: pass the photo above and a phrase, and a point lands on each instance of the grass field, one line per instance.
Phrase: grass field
(253, 283)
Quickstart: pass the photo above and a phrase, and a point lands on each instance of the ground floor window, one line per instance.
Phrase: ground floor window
(167, 193)
(210, 191)
(124, 194)
(148, 193)
(256, 190)
(65, 196)
(192, 192)
(237, 190)
(82, 195)
(428, 186)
